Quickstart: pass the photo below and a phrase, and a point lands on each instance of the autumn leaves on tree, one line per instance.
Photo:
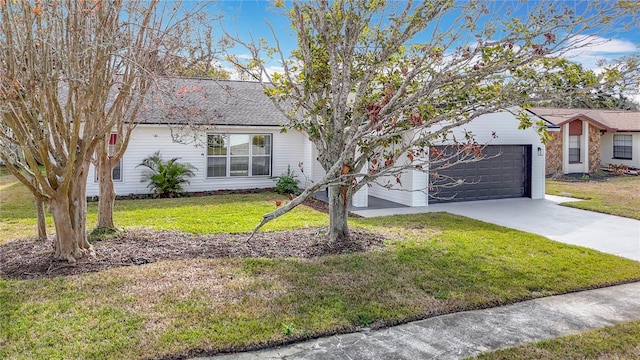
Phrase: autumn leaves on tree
(374, 83)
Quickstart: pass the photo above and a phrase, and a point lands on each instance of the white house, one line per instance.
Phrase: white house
(230, 131)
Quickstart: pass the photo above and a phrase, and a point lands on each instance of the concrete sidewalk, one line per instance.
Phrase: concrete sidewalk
(469, 333)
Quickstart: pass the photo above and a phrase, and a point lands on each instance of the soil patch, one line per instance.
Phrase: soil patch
(30, 259)
(189, 194)
(578, 177)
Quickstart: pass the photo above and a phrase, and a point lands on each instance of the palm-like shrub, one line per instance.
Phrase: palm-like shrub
(166, 178)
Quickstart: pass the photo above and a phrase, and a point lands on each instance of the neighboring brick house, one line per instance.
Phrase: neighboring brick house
(591, 138)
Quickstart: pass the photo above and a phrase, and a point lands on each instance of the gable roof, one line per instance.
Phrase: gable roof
(209, 102)
(608, 120)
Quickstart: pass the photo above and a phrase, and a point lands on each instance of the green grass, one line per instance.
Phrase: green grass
(202, 215)
(617, 196)
(620, 341)
(211, 214)
(432, 264)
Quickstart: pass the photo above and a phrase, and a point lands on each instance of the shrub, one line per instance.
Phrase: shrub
(166, 178)
(618, 169)
(287, 183)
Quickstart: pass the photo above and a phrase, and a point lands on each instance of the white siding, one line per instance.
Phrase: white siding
(606, 150)
(413, 187)
(317, 171)
(309, 165)
(288, 149)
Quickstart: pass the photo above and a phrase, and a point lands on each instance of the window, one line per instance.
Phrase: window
(574, 148)
(116, 173)
(238, 155)
(622, 146)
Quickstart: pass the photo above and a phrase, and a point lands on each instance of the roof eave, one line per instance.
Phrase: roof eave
(588, 119)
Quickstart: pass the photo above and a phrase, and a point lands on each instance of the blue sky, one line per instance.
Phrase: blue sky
(247, 17)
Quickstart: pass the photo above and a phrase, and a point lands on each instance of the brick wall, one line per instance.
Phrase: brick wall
(554, 154)
(594, 149)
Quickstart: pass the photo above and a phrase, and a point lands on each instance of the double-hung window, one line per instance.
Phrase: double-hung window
(574, 148)
(230, 155)
(622, 147)
(116, 173)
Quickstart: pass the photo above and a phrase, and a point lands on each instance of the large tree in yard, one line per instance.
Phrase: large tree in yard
(71, 73)
(373, 84)
(612, 88)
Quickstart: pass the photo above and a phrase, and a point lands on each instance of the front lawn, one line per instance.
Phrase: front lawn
(238, 213)
(617, 196)
(430, 264)
(620, 341)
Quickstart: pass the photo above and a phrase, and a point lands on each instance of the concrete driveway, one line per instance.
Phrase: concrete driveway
(606, 233)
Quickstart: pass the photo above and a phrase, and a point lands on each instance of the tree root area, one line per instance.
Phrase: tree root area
(31, 259)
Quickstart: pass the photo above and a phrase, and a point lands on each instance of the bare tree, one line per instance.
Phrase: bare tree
(188, 51)
(71, 72)
(373, 84)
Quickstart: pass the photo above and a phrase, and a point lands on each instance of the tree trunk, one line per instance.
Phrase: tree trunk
(338, 213)
(66, 244)
(42, 224)
(107, 192)
(79, 214)
(69, 211)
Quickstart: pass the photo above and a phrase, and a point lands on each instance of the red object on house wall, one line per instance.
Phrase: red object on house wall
(575, 127)
(113, 140)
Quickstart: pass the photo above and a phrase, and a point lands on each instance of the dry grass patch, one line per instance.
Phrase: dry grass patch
(617, 196)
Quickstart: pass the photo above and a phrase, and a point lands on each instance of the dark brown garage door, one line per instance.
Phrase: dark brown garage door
(506, 175)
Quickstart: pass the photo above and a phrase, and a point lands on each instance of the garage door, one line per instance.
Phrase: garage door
(504, 174)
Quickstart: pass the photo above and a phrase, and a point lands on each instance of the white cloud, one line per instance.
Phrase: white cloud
(244, 56)
(600, 45)
(589, 50)
(235, 76)
(274, 69)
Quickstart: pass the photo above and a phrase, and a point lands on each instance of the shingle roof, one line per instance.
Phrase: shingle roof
(610, 120)
(209, 102)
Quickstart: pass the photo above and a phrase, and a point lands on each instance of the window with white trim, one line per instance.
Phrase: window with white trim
(574, 148)
(116, 173)
(622, 146)
(231, 155)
